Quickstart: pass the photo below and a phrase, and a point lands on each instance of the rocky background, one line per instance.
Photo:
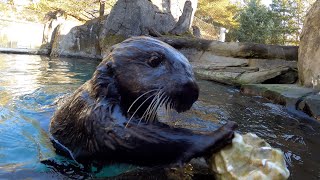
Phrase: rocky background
(229, 63)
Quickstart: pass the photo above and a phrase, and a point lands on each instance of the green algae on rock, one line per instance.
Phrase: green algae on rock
(249, 157)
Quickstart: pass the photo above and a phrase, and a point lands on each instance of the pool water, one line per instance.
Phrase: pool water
(30, 87)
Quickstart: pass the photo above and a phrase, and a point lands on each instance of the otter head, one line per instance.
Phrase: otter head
(150, 73)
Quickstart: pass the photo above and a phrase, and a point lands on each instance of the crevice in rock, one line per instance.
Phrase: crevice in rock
(305, 107)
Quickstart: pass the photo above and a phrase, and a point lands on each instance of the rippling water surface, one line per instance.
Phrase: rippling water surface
(31, 85)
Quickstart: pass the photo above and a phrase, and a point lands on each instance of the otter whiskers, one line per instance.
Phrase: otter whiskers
(148, 111)
(154, 109)
(141, 97)
(159, 99)
(161, 104)
(140, 104)
(162, 101)
(168, 108)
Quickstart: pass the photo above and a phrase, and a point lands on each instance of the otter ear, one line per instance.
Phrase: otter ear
(103, 84)
(105, 68)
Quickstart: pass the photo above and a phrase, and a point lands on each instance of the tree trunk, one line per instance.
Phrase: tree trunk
(184, 21)
(101, 10)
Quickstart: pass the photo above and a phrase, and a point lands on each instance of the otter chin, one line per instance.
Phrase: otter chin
(112, 117)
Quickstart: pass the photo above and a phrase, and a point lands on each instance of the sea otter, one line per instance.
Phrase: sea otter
(112, 117)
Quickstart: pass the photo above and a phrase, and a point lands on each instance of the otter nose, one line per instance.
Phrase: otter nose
(191, 89)
(186, 95)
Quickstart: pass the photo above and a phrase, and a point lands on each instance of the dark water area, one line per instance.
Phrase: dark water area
(30, 87)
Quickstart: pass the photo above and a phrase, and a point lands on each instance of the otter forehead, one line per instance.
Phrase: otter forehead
(140, 48)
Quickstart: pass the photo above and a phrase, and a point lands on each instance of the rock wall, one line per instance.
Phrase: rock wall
(127, 18)
(229, 63)
(239, 63)
(77, 41)
(174, 7)
(235, 49)
(137, 17)
(309, 51)
(52, 20)
(142, 17)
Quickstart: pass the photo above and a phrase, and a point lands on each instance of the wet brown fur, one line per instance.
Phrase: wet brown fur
(91, 123)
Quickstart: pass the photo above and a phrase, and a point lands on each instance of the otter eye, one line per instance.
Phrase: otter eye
(155, 61)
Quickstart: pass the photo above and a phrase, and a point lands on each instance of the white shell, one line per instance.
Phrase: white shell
(249, 157)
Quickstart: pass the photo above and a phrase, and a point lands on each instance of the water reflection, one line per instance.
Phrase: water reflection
(30, 85)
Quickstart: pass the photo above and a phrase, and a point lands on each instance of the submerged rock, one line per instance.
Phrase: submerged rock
(311, 105)
(284, 94)
(249, 157)
(290, 95)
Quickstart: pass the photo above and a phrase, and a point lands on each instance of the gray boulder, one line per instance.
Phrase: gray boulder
(52, 20)
(140, 17)
(184, 21)
(277, 75)
(174, 7)
(309, 50)
(236, 71)
(77, 41)
(235, 49)
(127, 18)
(244, 75)
(311, 105)
(239, 63)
